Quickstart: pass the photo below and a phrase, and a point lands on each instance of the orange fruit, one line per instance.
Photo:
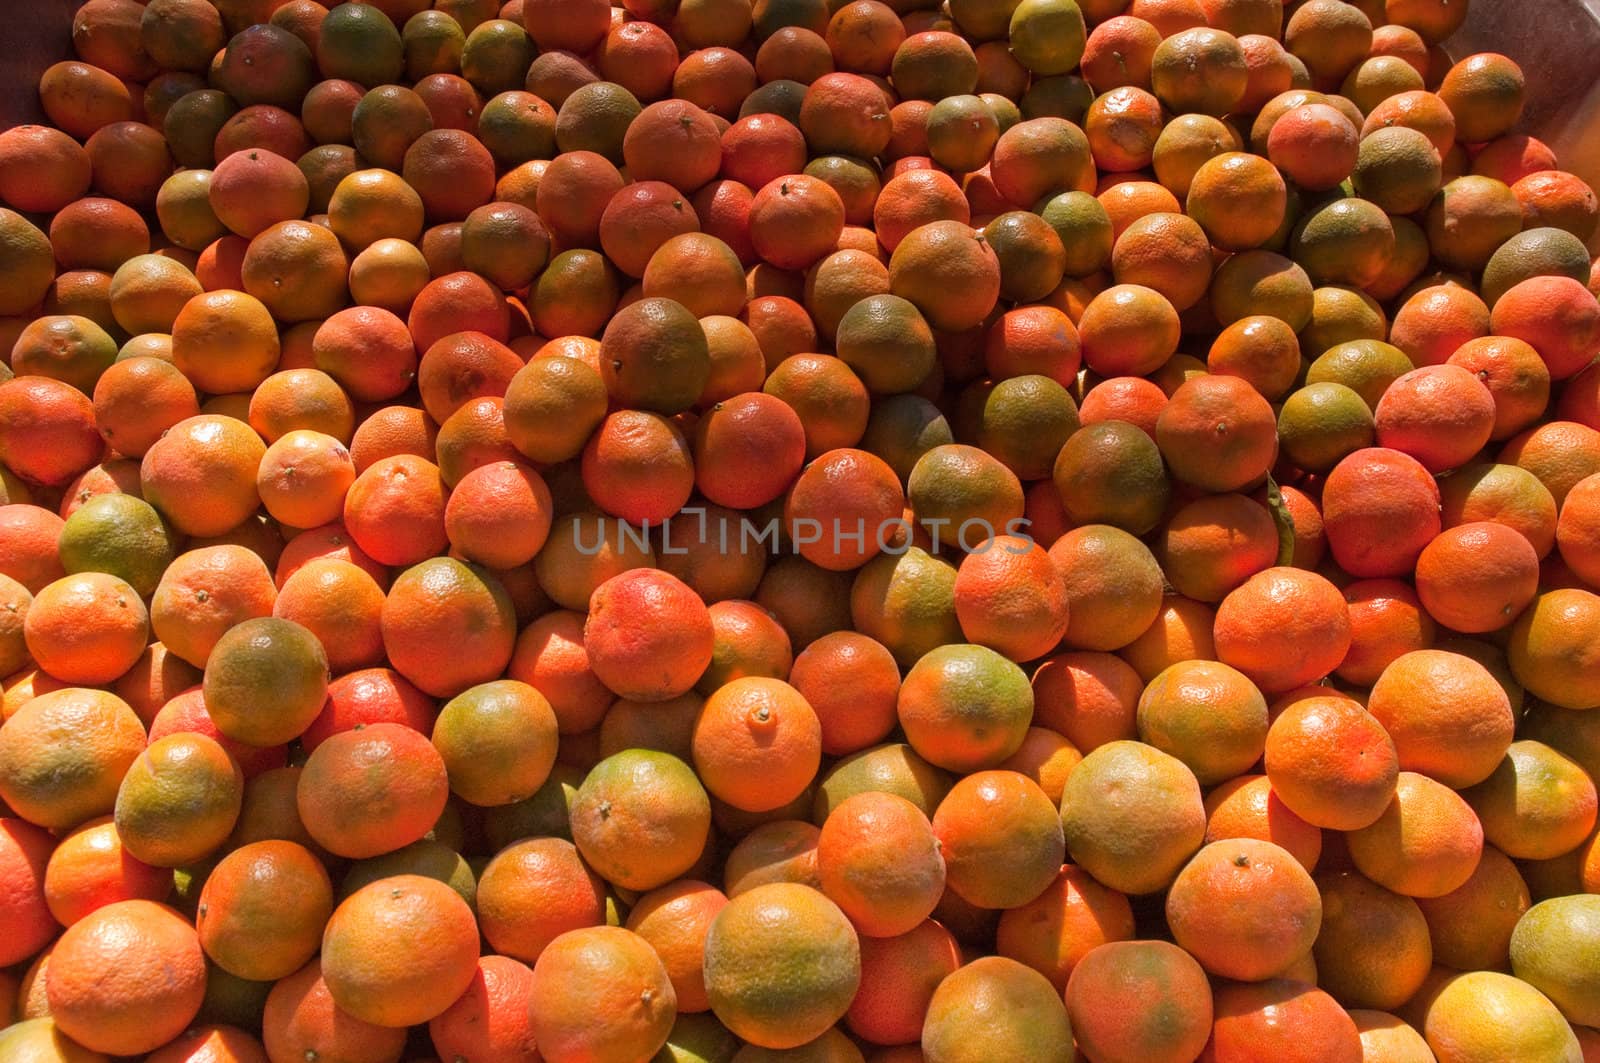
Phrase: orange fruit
(641, 819)
(201, 474)
(637, 467)
(1314, 145)
(1206, 714)
(1517, 379)
(1055, 931)
(253, 190)
(532, 892)
(648, 635)
(1009, 597)
(782, 964)
(674, 921)
(260, 655)
(1455, 1028)
(995, 1008)
(1134, 846)
(491, 1017)
(301, 1016)
(1426, 844)
(654, 356)
(428, 959)
(86, 629)
(1442, 415)
(47, 434)
(1537, 804)
(552, 405)
(965, 707)
(29, 912)
(1380, 509)
(941, 258)
(269, 881)
(1448, 717)
(1331, 763)
(497, 741)
(1112, 997)
(1356, 912)
(203, 594)
(1272, 905)
(878, 858)
(1248, 807)
(1471, 926)
(1476, 577)
(747, 448)
(298, 271)
(779, 851)
(127, 978)
(170, 832)
(636, 1008)
(898, 979)
(1273, 610)
(339, 798)
(1090, 698)
(1287, 1020)
(1215, 543)
(225, 1044)
(1386, 620)
(89, 869)
(1000, 837)
(757, 743)
(340, 604)
(59, 783)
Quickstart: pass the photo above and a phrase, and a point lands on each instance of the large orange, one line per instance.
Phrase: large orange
(1133, 816)
(757, 743)
(206, 592)
(268, 882)
(265, 681)
(1283, 627)
(995, 1008)
(898, 978)
(372, 790)
(64, 753)
(179, 800)
(491, 1018)
(126, 979)
(1208, 715)
(601, 993)
(1001, 839)
(1332, 763)
(1448, 717)
(400, 951)
(782, 965)
(438, 609)
(86, 629)
(302, 1018)
(1352, 965)
(641, 818)
(1009, 597)
(27, 914)
(649, 636)
(201, 475)
(1283, 1020)
(532, 892)
(1248, 807)
(1139, 1002)
(1245, 909)
(89, 869)
(965, 707)
(674, 921)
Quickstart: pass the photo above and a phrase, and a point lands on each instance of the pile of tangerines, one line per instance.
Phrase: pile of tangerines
(712, 531)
